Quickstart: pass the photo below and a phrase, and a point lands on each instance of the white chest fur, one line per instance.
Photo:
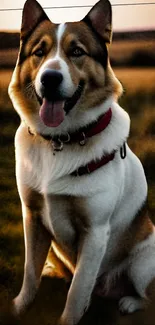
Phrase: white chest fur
(106, 190)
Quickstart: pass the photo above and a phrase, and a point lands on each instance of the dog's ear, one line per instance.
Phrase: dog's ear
(100, 19)
(33, 14)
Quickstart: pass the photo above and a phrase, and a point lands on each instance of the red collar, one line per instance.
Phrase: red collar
(93, 165)
(81, 137)
(83, 134)
(100, 125)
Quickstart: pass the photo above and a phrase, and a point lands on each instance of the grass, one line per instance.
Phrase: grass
(139, 101)
(137, 80)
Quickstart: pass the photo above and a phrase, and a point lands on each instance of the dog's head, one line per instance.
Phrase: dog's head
(62, 70)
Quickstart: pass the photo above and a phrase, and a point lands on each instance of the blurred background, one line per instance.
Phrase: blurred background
(133, 60)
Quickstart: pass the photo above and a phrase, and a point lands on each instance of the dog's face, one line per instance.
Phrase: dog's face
(63, 67)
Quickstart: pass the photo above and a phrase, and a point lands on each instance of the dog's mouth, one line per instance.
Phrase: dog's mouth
(53, 108)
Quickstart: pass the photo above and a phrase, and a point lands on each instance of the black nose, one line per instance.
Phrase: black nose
(51, 78)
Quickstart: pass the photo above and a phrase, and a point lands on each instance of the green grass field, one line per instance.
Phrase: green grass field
(139, 101)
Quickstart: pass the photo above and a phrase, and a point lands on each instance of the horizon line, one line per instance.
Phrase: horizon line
(132, 30)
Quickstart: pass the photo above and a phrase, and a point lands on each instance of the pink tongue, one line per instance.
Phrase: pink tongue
(52, 113)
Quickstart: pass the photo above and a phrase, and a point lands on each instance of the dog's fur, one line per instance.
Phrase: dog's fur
(98, 222)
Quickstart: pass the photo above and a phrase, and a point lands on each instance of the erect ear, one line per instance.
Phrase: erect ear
(100, 19)
(33, 14)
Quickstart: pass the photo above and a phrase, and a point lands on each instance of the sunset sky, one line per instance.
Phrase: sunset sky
(125, 17)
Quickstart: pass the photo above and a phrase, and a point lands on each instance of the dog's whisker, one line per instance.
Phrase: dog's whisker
(30, 90)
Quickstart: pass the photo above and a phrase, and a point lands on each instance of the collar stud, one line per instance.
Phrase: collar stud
(82, 142)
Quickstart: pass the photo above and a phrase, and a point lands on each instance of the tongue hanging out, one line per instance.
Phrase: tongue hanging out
(52, 113)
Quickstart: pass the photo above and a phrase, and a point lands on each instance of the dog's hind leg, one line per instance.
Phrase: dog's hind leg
(37, 243)
(141, 272)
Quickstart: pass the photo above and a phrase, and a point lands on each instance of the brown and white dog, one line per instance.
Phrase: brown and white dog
(80, 185)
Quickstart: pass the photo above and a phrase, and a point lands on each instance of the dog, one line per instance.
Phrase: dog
(80, 185)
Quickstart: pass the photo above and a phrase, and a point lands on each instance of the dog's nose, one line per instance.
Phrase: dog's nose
(51, 78)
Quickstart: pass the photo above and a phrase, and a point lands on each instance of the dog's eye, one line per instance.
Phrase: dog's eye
(39, 53)
(77, 52)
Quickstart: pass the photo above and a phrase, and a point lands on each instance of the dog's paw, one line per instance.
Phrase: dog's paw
(68, 319)
(65, 321)
(128, 305)
(15, 312)
(18, 308)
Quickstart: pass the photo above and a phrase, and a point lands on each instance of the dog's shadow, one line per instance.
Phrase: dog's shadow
(50, 302)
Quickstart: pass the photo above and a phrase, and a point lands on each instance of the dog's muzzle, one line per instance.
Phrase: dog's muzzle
(54, 105)
(51, 81)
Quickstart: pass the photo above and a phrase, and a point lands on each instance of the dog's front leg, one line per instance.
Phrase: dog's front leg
(91, 252)
(37, 243)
